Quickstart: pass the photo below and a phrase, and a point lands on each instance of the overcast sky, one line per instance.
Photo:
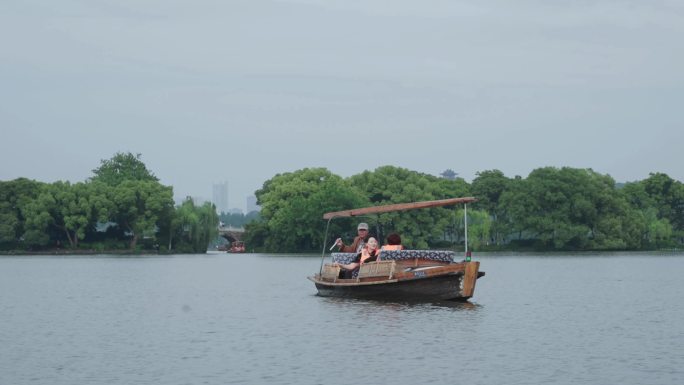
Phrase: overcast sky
(215, 90)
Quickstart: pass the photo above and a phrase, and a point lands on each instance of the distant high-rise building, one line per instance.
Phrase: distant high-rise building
(221, 197)
(252, 204)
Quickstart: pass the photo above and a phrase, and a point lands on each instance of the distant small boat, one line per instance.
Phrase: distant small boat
(401, 274)
(237, 247)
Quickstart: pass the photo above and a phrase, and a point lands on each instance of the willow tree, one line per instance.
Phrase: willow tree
(193, 227)
(479, 227)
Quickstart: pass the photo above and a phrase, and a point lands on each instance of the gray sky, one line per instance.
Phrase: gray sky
(214, 90)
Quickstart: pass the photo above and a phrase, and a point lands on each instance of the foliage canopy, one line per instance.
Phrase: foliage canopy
(124, 206)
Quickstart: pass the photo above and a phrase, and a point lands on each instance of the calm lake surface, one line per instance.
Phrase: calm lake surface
(256, 319)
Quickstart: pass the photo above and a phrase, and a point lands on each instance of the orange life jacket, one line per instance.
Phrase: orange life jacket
(392, 247)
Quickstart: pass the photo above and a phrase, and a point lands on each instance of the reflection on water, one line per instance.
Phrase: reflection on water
(256, 319)
(399, 305)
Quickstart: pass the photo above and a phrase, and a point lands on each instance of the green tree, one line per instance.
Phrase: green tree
(571, 209)
(256, 234)
(40, 215)
(488, 187)
(660, 201)
(135, 199)
(60, 214)
(8, 225)
(389, 184)
(15, 195)
(208, 227)
(122, 167)
(138, 205)
(293, 204)
(668, 196)
(238, 219)
(194, 226)
(72, 212)
(659, 231)
(479, 227)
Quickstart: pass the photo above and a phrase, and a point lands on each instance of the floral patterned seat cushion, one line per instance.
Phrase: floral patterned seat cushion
(433, 255)
(343, 258)
(399, 255)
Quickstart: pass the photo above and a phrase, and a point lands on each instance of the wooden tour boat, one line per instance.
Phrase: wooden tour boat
(401, 274)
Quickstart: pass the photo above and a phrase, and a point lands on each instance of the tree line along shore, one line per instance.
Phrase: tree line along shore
(121, 208)
(124, 208)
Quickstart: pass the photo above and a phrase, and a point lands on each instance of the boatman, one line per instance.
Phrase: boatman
(359, 241)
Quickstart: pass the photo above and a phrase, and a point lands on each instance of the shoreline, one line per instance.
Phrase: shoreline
(82, 252)
(66, 252)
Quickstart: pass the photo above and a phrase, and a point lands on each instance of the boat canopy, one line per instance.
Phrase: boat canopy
(398, 207)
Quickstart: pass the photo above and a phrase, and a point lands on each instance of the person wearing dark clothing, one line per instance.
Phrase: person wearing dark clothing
(358, 243)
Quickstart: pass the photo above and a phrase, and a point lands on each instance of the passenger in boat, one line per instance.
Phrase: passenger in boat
(369, 253)
(358, 243)
(393, 242)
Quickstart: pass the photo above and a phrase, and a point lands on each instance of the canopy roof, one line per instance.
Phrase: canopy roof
(398, 207)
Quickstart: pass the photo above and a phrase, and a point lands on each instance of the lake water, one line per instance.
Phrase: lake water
(255, 319)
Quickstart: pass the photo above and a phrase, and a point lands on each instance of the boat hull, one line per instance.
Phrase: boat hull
(446, 287)
(443, 282)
